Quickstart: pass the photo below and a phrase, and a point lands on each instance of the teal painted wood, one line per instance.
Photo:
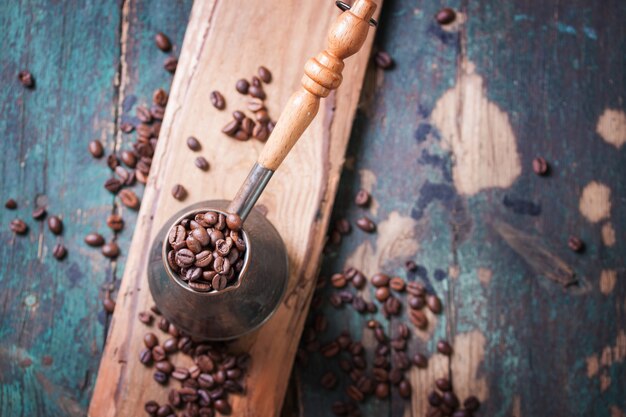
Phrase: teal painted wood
(52, 326)
(553, 69)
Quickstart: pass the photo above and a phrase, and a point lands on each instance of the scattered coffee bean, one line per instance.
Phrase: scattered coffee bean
(193, 144)
(471, 403)
(159, 97)
(382, 294)
(113, 185)
(255, 105)
(145, 317)
(127, 127)
(129, 199)
(257, 92)
(410, 266)
(343, 226)
(39, 213)
(329, 380)
(380, 280)
(170, 64)
(201, 163)
(397, 284)
(179, 192)
(145, 356)
(26, 78)
(418, 318)
(96, 149)
(444, 347)
(217, 99)
(362, 198)
(59, 251)
(111, 250)
(129, 158)
(445, 16)
(242, 86)
(420, 360)
(162, 42)
(18, 226)
(55, 225)
(338, 280)
(11, 204)
(108, 303)
(115, 222)
(365, 224)
(540, 166)
(150, 340)
(404, 389)
(383, 60)
(575, 244)
(434, 303)
(443, 384)
(359, 281)
(231, 127)
(265, 75)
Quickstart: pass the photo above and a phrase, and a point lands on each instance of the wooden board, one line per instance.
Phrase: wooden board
(226, 41)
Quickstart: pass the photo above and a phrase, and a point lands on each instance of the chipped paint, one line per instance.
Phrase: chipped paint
(614, 354)
(612, 127)
(395, 240)
(469, 352)
(484, 275)
(479, 135)
(608, 234)
(608, 277)
(595, 202)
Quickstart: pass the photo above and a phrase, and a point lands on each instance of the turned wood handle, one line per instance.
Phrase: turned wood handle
(321, 75)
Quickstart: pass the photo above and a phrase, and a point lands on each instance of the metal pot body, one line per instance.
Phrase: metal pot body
(236, 310)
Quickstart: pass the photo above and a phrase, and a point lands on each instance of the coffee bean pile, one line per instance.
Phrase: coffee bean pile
(444, 402)
(243, 127)
(204, 387)
(207, 251)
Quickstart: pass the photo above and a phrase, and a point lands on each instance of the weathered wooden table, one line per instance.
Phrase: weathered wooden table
(444, 142)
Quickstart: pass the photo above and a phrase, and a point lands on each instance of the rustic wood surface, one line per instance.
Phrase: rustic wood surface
(526, 79)
(298, 198)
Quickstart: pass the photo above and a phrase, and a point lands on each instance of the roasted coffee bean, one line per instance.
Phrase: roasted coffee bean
(382, 294)
(26, 78)
(540, 166)
(359, 281)
(158, 353)
(434, 399)
(354, 393)
(113, 185)
(201, 163)
(179, 192)
(382, 390)
(415, 288)
(395, 376)
(217, 100)
(264, 74)
(242, 86)
(129, 158)
(262, 116)
(151, 407)
(39, 213)
(205, 363)
(241, 135)
(233, 221)
(115, 222)
(108, 303)
(451, 400)
(575, 244)
(270, 126)
(255, 105)
(157, 112)
(55, 225)
(410, 266)
(462, 413)
(94, 239)
(129, 199)
(257, 92)
(11, 204)
(111, 250)
(162, 42)
(159, 97)
(444, 347)
(471, 403)
(434, 303)
(379, 333)
(193, 144)
(380, 280)
(150, 340)
(127, 127)
(404, 389)
(403, 331)
(96, 149)
(239, 115)
(383, 60)
(59, 251)
(366, 224)
(145, 356)
(180, 374)
(145, 317)
(170, 345)
(397, 284)
(445, 16)
(418, 318)
(329, 380)
(256, 81)
(170, 64)
(219, 282)
(443, 384)
(143, 114)
(339, 408)
(222, 406)
(122, 173)
(359, 304)
(338, 280)
(362, 198)
(260, 132)
(330, 350)
(112, 161)
(231, 128)
(420, 360)
(174, 398)
(343, 226)
(392, 306)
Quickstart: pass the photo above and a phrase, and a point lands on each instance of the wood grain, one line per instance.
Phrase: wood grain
(222, 45)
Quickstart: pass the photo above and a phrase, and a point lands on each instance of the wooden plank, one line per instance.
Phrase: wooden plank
(218, 50)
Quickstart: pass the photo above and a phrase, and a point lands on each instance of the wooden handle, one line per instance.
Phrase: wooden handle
(321, 75)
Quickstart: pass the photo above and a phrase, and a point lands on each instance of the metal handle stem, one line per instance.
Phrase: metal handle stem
(250, 191)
